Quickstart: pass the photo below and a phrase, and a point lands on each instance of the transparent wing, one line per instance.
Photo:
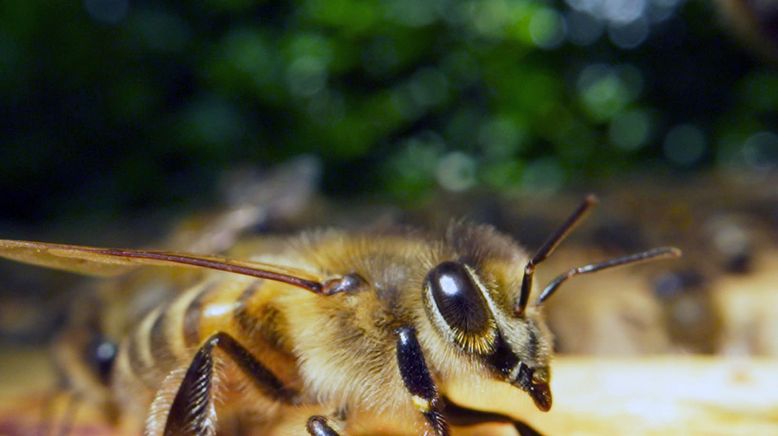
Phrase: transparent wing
(108, 262)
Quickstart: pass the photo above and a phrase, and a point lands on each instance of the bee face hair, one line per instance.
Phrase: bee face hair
(479, 301)
(470, 302)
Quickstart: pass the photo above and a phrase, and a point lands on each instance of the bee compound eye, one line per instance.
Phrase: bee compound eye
(458, 298)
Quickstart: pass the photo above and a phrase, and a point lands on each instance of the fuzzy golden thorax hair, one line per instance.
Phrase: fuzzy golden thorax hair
(457, 291)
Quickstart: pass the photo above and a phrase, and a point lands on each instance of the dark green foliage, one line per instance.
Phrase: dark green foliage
(110, 105)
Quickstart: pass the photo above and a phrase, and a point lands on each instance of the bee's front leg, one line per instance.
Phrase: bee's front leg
(418, 380)
(192, 408)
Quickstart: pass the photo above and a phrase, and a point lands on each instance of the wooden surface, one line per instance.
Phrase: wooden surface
(592, 396)
(657, 395)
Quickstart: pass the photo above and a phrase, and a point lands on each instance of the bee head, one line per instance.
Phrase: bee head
(513, 348)
(476, 296)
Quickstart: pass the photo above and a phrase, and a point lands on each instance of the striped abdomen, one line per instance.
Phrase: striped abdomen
(169, 335)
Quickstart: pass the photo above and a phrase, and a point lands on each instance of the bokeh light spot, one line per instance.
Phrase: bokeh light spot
(547, 28)
(630, 130)
(246, 59)
(488, 17)
(411, 172)
(503, 174)
(413, 13)
(760, 151)
(684, 145)
(306, 76)
(456, 172)
(602, 91)
(501, 137)
(628, 22)
(624, 11)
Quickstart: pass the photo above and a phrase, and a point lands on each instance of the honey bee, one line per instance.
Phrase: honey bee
(344, 326)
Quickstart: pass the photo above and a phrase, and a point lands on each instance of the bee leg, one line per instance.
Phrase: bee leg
(69, 415)
(317, 426)
(464, 417)
(192, 406)
(418, 380)
(48, 424)
(47, 416)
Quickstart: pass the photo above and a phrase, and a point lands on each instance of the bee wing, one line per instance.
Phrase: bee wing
(109, 262)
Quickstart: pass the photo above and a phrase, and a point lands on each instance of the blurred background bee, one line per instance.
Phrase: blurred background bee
(502, 112)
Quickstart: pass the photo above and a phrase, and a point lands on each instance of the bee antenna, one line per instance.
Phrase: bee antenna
(644, 256)
(548, 247)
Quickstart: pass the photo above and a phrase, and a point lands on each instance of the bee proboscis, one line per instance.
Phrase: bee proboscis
(343, 325)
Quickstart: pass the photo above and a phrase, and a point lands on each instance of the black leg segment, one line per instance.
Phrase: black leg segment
(264, 380)
(189, 413)
(418, 380)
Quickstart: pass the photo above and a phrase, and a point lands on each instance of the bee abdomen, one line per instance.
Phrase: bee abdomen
(169, 335)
